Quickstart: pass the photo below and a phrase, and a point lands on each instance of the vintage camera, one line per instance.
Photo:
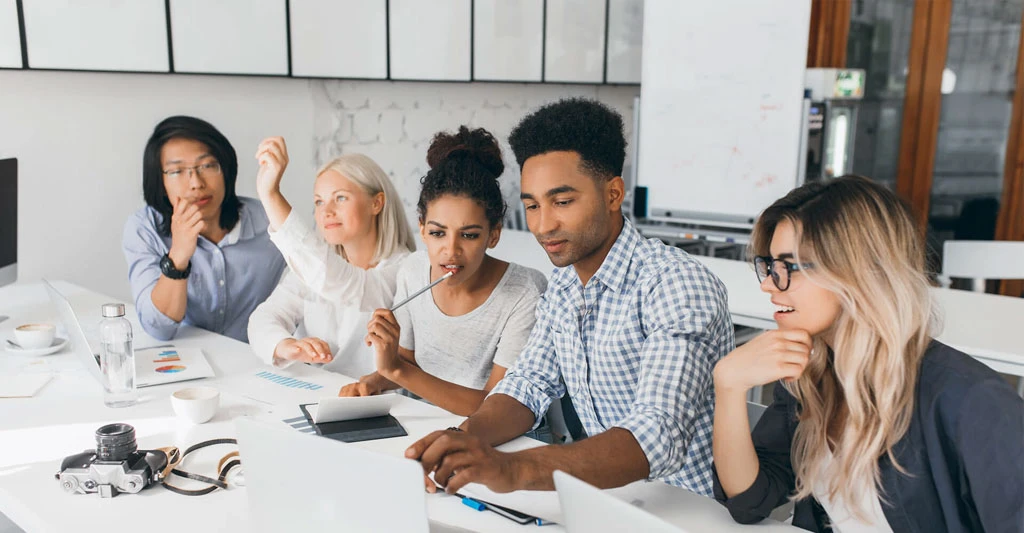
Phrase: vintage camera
(116, 466)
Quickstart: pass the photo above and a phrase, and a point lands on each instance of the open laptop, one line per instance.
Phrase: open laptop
(296, 481)
(157, 368)
(588, 508)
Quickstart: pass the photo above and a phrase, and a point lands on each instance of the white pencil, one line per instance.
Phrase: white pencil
(421, 291)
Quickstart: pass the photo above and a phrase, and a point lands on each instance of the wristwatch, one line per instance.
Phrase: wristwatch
(168, 269)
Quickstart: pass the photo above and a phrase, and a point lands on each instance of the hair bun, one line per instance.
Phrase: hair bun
(477, 144)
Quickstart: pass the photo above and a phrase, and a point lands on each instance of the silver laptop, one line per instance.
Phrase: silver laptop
(296, 481)
(587, 508)
(146, 375)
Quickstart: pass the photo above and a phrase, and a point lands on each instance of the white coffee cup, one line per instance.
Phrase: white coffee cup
(196, 404)
(34, 336)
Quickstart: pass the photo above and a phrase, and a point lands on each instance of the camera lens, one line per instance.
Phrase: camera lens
(115, 442)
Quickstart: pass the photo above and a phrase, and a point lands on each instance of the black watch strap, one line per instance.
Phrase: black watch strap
(168, 269)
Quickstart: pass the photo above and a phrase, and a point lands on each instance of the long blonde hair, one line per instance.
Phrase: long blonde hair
(865, 247)
(393, 231)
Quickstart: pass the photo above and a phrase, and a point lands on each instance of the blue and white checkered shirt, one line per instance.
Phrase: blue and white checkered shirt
(635, 348)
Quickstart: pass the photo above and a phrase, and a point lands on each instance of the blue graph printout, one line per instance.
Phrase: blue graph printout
(286, 381)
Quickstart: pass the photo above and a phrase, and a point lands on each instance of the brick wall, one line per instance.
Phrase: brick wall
(393, 122)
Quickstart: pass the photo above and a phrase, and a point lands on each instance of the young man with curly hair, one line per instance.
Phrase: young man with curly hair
(629, 328)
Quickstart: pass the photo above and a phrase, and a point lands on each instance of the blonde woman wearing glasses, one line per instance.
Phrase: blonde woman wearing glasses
(875, 426)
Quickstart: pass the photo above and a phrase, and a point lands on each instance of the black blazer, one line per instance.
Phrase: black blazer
(963, 453)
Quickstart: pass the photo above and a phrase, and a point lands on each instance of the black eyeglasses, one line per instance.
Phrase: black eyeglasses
(778, 269)
(205, 170)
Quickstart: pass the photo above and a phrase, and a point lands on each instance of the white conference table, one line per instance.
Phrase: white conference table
(36, 433)
(988, 327)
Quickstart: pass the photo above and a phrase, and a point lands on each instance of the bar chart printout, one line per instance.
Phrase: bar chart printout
(286, 381)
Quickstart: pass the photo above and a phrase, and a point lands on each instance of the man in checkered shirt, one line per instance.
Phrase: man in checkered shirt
(629, 327)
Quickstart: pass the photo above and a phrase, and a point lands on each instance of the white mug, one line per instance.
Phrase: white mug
(196, 404)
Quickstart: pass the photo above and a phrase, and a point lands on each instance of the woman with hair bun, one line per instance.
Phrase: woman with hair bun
(453, 345)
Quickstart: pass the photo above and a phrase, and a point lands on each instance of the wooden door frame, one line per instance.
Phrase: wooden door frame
(922, 109)
(922, 106)
(1010, 224)
(830, 28)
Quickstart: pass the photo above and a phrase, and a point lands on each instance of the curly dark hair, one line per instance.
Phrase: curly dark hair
(467, 163)
(587, 127)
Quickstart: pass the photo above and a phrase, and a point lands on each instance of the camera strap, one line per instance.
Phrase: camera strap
(175, 458)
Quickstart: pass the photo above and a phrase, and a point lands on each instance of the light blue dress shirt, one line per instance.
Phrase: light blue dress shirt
(227, 281)
(634, 349)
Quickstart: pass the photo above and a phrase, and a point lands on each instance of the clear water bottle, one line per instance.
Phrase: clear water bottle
(117, 360)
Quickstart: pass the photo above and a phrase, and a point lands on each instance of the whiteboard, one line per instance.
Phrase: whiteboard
(117, 35)
(339, 38)
(721, 104)
(10, 35)
(574, 41)
(508, 40)
(625, 40)
(229, 36)
(430, 40)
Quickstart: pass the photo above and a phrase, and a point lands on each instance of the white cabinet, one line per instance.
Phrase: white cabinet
(508, 40)
(229, 36)
(574, 46)
(10, 35)
(451, 40)
(430, 40)
(339, 38)
(625, 40)
(96, 34)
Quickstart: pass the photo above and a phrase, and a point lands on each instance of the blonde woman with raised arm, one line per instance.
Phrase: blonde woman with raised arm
(361, 227)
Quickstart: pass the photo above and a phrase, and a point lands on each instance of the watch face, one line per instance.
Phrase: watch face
(168, 269)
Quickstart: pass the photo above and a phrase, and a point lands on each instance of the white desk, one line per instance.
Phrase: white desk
(988, 327)
(36, 433)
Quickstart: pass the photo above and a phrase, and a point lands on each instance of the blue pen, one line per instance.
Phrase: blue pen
(511, 514)
(470, 502)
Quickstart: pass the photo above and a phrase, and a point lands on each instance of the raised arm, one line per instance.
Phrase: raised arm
(272, 156)
(314, 262)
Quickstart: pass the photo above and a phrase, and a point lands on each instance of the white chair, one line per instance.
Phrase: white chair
(982, 260)
(517, 246)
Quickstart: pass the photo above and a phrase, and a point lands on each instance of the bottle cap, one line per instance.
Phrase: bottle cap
(113, 310)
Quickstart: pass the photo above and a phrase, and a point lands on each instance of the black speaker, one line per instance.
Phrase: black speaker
(639, 202)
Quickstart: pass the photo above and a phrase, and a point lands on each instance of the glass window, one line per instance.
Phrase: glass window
(977, 98)
(879, 43)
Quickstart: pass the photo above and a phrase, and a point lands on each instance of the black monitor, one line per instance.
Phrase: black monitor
(8, 221)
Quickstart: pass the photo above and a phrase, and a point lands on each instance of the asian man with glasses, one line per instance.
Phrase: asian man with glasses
(197, 254)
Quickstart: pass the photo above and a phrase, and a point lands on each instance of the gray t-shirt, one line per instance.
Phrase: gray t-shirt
(462, 349)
